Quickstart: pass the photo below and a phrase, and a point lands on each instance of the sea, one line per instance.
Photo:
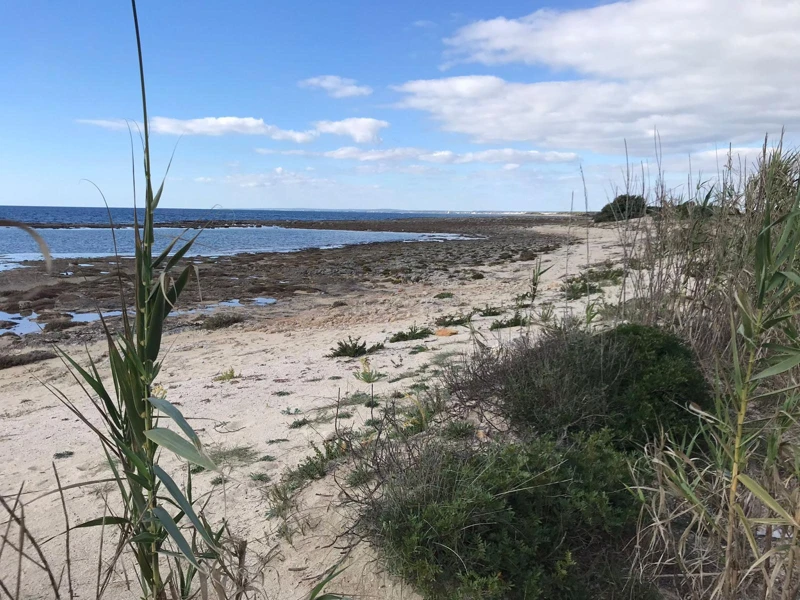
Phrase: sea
(82, 232)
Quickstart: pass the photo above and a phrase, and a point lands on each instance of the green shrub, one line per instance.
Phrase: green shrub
(631, 379)
(622, 208)
(452, 320)
(590, 281)
(490, 311)
(443, 295)
(458, 430)
(353, 348)
(517, 320)
(412, 333)
(512, 522)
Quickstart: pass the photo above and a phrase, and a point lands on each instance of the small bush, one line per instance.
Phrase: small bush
(227, 375)
(220, 320)
(298, 423)
(449, 320)
(418, 349)
(63, 454)
(338, 304)
(622, 208)
(412, 333)
(632, 379)
(590, 281)
(314, 466)
(358, 476)
(353, 348)
(517, 320)
(282, 393)
(443, 295)
(490, 311)
(458, 430)
(576, 287)
(514, 522)
(260, 477)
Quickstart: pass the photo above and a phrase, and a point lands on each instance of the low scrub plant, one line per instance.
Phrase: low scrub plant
(444, 295)
(516, 320)
(633, 380)
(227, 375)
(513, 521)
(412, 333)
(490, 311)
(451, 320)
(353, 348)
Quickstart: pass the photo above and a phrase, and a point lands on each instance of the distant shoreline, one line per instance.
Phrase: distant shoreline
(403, 220)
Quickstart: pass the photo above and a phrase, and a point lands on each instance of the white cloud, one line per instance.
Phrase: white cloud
(360, 129)
(227, 125)
(499, 155)
(203, 179)
(112, 124)
(424, 24)
(699, 72)
(511, 167)
(337, 87)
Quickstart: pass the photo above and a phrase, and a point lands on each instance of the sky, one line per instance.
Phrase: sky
(446, 105)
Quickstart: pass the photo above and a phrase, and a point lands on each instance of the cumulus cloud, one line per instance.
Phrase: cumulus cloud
(362, 130)
(699, 72)
(336, 87)
(215, 126)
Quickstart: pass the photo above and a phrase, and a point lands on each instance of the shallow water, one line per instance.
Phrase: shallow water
(16, 246)
(27, 323)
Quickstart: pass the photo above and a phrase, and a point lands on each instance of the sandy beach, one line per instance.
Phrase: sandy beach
(278, 355)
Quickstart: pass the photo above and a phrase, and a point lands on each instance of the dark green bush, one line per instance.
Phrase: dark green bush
(517, 320)
(632, 380)
(449, 320)
(528, 521)
(622, 208)
(353, 348)
(412, 333)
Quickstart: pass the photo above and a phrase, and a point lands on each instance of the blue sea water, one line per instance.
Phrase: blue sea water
(99, 215)
(93, 242)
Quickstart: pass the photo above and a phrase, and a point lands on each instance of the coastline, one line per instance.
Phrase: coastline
(76, 285)
(279, 356)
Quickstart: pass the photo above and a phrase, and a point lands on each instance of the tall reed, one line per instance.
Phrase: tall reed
(722, 510)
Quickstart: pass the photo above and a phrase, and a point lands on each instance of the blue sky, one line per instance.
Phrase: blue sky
(407, 105)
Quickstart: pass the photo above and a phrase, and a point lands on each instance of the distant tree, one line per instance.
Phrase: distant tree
(622, 208)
